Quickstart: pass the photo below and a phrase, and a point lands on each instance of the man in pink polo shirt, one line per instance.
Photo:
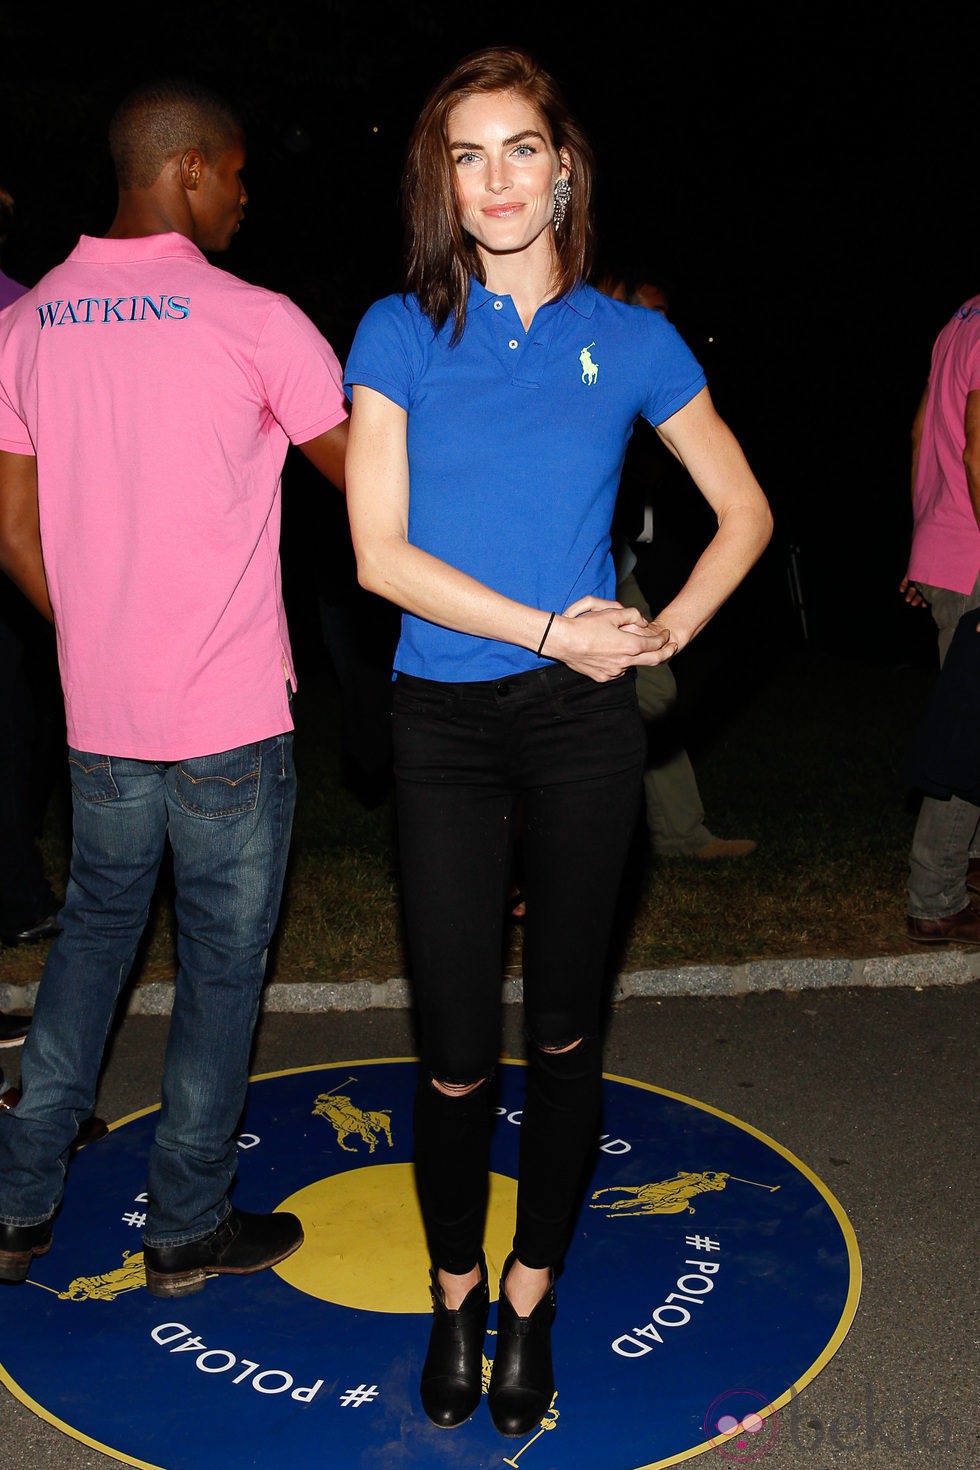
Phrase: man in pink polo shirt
(147, 401)
(944, 571)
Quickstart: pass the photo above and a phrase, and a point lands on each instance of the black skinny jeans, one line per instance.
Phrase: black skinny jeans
(571, 751)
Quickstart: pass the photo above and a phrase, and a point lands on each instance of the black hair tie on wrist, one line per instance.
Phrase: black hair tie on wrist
(547, 630)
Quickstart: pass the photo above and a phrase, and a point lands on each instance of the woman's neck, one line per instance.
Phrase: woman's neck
(526, 276)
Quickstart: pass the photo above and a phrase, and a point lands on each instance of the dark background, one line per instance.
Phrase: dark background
(801, 174)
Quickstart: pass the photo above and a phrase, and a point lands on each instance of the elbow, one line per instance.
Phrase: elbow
(367, 575)
(752, 525)
(766, 527)
(372, 571)
(371, 583)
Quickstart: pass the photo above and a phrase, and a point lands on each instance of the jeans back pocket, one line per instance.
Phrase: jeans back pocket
(222, 785)
(91, 775)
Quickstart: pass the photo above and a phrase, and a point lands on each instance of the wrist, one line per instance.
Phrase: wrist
(545, 635)
(681, 631)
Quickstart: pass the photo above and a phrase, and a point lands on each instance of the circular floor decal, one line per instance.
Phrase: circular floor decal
(711, 1277)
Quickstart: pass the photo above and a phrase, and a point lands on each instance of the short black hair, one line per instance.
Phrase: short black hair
(162, 119)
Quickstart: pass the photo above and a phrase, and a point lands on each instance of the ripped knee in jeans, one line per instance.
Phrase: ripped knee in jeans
(557, 1050)
(457, 1089)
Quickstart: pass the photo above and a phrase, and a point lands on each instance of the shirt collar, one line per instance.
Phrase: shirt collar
(580, 298)
(93, 249)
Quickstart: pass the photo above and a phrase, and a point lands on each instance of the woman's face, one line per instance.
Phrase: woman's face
(506, 168)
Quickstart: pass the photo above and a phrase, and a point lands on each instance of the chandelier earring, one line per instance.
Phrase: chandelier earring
(563, 192)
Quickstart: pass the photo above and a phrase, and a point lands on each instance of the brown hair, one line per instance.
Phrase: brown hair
(440, 255)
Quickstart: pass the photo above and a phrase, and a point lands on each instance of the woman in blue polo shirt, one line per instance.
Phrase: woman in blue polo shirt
(491, 408)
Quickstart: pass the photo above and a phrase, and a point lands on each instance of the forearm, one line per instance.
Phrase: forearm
(715, 461)
(973, 485)
(595, 637)
(739, 542)
(917, 424)
(23, 565)
(20, 535)
(971, 449)
(429, 588)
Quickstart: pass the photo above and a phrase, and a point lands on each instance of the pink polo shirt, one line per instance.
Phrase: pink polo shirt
(945, 537)
(160, 394)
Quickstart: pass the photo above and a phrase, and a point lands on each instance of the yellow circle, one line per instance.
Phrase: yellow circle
(365, 1243)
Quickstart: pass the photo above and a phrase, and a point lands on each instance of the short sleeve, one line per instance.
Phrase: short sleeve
(672, 373)
(300, 373)
(386, 352)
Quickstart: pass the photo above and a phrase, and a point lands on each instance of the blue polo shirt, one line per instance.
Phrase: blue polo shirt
(516, 443)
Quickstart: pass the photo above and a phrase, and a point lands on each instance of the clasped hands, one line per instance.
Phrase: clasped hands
(603, 639)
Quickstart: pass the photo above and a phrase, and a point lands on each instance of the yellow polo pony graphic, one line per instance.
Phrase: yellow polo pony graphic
(667, 1196)
(349, 1121)
(590, 369)
(105, 1287)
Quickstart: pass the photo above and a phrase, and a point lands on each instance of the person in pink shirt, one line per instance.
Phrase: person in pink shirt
(944, 573)
(147, 401)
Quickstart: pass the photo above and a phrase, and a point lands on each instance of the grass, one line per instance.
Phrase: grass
(805, 755)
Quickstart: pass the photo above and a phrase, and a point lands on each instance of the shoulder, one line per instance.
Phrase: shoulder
(644, 340)
(631, 326)
(397, 314)
(964, 324)
(390, 347)
(270, 319)
(245, 294)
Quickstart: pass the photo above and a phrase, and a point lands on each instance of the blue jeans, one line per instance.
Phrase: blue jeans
(228, 818)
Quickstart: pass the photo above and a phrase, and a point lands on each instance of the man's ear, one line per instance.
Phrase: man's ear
(191, 168)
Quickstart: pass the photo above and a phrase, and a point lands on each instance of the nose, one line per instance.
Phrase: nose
(498, 176)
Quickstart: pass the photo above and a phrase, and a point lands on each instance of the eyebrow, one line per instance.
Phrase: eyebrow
(514, 138)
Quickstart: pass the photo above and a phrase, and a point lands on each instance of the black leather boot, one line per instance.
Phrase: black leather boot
(242, 1243)
(522, 1383)
(452, 1375)
(19, 1244)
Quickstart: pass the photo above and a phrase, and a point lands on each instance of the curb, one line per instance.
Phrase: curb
(948, 967)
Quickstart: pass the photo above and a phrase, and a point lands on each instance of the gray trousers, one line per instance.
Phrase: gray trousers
(674, 811)
(946, 833)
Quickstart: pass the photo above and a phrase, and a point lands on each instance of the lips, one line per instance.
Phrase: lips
(503, 211)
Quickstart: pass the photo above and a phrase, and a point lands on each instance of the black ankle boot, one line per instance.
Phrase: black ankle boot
(522, 1383)
(452, 1375)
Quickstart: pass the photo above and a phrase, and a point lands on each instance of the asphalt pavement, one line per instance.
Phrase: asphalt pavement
(872, 1086)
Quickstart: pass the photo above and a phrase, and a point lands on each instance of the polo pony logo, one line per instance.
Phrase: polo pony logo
(349, 1120)
(106, 1286)
(590, 369)
(667, 1196)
